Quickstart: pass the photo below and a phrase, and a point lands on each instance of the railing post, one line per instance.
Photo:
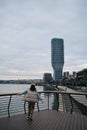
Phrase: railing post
(57, 97)
(24, 107)
(48, 101)
(9, 105)
(38, 106)
(71, 103)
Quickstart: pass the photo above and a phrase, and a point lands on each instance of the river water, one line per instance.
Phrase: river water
(16, 88)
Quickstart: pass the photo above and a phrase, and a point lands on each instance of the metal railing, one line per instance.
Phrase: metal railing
(75, 102)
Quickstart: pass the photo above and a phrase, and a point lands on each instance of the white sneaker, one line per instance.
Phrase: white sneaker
(30, 117)
(27, 118)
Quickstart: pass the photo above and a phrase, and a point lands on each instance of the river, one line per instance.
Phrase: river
(16, 88)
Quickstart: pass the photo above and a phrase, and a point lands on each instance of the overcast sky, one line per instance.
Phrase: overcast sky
(26, 30)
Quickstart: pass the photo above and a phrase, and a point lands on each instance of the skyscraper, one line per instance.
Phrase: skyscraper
(57, 58)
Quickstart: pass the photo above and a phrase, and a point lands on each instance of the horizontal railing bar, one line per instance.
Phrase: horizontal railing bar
(59, 92)
(8, 94)
(64, 92)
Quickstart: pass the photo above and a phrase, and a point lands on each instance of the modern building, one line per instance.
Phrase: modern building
(57, 58)
(82, 74)
(66, 75)
(74, 74)
(47, 78)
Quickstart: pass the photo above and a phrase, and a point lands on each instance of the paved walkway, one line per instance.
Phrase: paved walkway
(45, 120)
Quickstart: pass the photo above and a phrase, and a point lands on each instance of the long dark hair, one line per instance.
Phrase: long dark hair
(32, 87)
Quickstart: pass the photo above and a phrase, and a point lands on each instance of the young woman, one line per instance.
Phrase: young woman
(31, 96)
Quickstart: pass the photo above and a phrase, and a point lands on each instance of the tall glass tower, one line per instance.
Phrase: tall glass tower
(57, 58)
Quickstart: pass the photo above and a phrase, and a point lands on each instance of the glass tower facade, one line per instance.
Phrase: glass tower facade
(57, 58)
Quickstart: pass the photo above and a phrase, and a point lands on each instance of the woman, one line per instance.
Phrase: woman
(31, 96)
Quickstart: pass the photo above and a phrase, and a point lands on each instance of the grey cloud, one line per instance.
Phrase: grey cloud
(26, 29)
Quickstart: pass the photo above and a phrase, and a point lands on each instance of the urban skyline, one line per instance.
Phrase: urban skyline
(26, 30)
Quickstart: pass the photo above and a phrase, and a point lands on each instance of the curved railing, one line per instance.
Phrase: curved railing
(75, 102)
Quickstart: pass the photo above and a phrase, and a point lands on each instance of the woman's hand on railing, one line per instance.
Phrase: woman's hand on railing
(17, 94)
